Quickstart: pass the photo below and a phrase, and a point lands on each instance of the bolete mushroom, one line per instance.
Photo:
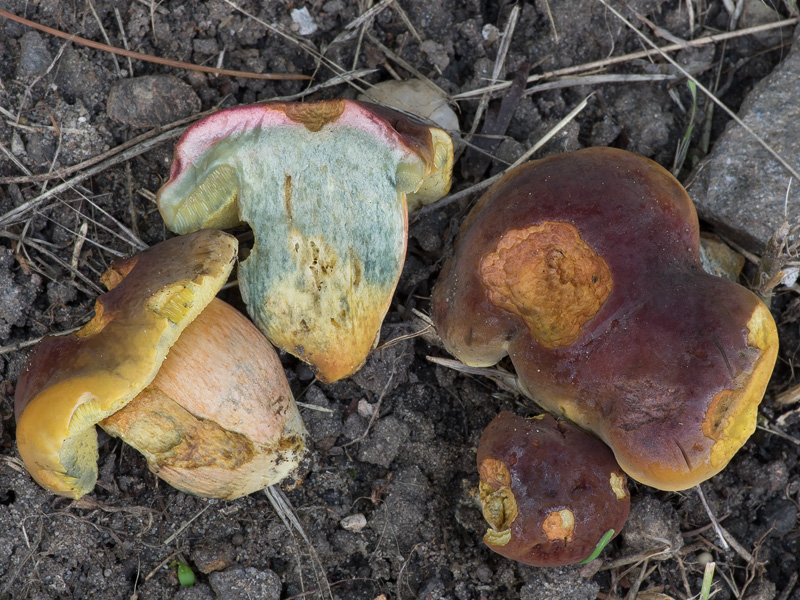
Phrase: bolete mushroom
(324, 187)
(550, 492)
(180, 375)
(583, 268)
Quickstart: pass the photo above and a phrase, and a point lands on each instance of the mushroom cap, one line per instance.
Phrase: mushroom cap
(324, 187)
(584, 269)
(549, 490)
(70, 383)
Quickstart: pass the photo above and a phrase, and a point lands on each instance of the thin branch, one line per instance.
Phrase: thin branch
(606, 62)
(17, 213)
(147, 57)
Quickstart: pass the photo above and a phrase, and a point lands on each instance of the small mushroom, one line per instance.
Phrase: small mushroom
(550, 492)
(325, 187)
(414, 96)
(583, 268)
(183, 377)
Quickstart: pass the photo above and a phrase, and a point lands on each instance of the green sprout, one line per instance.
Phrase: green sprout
(599, 548)
(683, 145)
(708, 575)
(185, 573)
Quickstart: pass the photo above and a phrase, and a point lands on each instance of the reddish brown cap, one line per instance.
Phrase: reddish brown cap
(550, 491)
(584, 269)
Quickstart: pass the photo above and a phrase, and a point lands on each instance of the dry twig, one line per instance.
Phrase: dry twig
(147, 57)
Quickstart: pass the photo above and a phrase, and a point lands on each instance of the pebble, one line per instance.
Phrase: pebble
(151, 100)
(303, 21)
(651, 524)
(34, 57)
(355, 522)
(740, 188)
(215, 556)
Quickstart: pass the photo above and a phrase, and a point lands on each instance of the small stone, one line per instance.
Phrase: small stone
(741, 188)
(703, 558)
(355, 522)
(17, 145)
(365, 409)
(652, 524)
(78, 77)
(34, 57)
(780, 517)
(207, 46)
(213, 556)
(385, 440)
(720, 259)
(436, 53)
(564, 583)
(490, 33)
(151, 100)
(302, 19)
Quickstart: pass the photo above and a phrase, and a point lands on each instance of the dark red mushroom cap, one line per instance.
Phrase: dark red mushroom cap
(550, 491)
(584, 269)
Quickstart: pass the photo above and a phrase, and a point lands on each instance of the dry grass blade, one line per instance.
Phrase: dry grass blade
(285, 512)
(302, 44)
(507, 381)
(787, 398)
(712, 517)
(405, 64)
(65, 171)
(706, 91)
(498, 65)
(350, 30)
(16, 214)
(607, 62)
(336, 80)
(146, 57)
(185, 525)
(39, 246)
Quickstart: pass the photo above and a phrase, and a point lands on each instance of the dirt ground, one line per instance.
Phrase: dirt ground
(392, 514)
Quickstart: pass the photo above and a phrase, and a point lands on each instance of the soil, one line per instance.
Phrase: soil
(388, 511)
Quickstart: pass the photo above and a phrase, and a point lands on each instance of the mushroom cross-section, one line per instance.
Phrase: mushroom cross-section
(583, 268)
(178, 374)
(324, 187)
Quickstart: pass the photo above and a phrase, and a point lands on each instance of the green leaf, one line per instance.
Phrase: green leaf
(185, 573)
(599, 548)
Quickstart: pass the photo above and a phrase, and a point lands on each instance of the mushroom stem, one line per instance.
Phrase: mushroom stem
(219, 419)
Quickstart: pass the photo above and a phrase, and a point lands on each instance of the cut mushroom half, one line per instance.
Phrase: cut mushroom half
(325, 187)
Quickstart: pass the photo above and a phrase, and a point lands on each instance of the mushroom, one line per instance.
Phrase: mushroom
(550, 492)
(324, 187)
(583, 268)
(181, 376)
(414, 96)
